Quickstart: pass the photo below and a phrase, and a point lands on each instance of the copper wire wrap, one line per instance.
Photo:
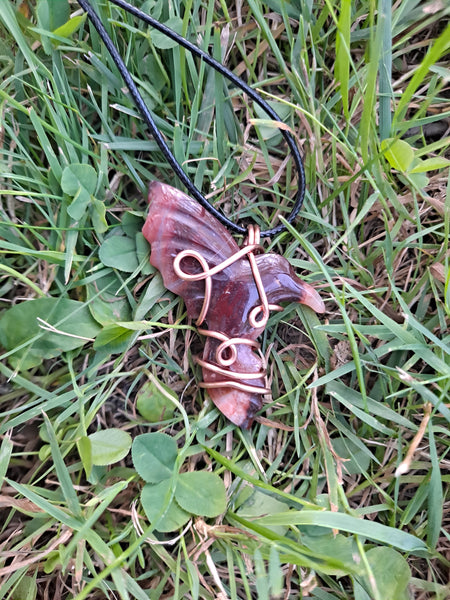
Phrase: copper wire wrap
(226, 352)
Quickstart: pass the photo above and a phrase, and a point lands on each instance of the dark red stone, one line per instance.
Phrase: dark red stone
(176, 222)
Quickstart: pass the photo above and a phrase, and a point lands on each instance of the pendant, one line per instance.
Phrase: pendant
(228, 290)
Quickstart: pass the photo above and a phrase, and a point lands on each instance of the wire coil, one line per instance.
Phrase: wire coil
(226, 352)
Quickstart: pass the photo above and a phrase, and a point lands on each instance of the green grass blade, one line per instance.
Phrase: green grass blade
(435, 494)
(366, 129)
(435, 52)
(67, 487)
(366, 529)
(342, 65)
(385, 69)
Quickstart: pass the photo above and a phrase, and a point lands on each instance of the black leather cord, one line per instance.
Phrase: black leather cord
(147, 116)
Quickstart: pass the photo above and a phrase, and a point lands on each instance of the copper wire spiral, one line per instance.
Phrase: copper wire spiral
(226, 352)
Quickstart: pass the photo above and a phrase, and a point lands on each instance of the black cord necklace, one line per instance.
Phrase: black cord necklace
(148, 118)
(228, 290)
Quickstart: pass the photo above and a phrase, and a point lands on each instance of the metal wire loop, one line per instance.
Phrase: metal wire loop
(226, 352)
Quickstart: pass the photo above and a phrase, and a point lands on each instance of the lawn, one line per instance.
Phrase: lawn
(119, 477)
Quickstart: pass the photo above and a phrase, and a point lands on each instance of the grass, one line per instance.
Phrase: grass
(347, 495)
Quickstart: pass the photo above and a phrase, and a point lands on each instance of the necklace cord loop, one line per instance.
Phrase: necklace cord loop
(158, 137)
